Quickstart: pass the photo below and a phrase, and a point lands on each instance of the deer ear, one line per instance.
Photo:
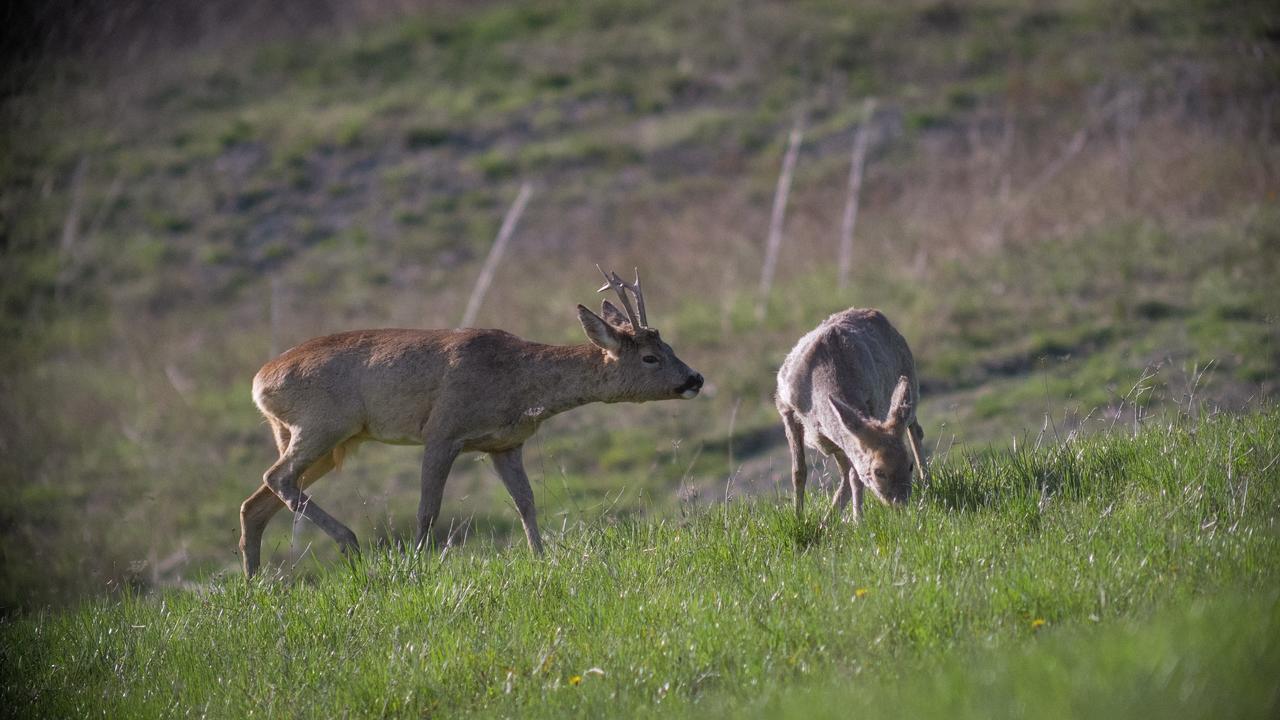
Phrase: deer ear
(853, 419)
(599, 332)
(614, 317)
(900, 405)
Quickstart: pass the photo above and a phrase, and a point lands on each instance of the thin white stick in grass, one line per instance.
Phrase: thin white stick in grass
(1011, 209)
(71, 229)
(71, 226)
(495, 254)
(850, 219)
(779, 212)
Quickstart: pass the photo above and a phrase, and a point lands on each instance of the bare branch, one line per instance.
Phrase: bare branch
(776, 218)
(495, 254)
(1012, 208)
(855, 191)
(71, 228)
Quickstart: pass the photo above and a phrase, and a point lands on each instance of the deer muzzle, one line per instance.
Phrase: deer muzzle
(689, 389)
(894, 497)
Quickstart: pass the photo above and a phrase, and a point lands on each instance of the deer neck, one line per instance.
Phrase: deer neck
(572, 375)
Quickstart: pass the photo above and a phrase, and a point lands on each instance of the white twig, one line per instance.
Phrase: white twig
(776, 218)
(71, 227)
(850, 219)
(1015, 207)
(495, 254)
(108, 203)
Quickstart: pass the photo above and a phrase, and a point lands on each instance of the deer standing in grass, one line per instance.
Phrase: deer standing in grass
(849, 389)
(452, 391)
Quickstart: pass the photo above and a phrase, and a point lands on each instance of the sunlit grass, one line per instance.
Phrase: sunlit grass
(1010, 558)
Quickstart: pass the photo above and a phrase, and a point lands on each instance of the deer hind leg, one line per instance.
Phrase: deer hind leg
(281, 433)
(799, 470)
(510, 467)
(260, 507)
(255, 511)
(288, 475)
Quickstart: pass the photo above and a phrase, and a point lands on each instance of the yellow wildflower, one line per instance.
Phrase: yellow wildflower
(575, 679)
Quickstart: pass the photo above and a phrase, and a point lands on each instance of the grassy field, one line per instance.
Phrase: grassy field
(1070, 214)
(1104, 575)
(1069, 209)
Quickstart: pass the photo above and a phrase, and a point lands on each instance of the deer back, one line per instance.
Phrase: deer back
(487, 388)
(856, 356)
(385, 383)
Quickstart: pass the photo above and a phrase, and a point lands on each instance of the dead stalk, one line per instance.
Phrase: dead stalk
(495, 255)
(778, 215)
(850, 219)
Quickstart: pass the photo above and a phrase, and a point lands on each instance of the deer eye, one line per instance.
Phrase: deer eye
(649, 360)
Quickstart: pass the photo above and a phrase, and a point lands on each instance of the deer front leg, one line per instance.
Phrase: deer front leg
(437, 459)
(510, 467)
(855, 481)
(799, 470)
(844, 487)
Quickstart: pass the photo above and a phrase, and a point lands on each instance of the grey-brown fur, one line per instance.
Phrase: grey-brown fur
(848, 388)
(453, 391)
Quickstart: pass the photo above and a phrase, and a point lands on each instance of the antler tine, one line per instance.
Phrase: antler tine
(608, 281)
(639, 299)
(639, 295)
(620, 286)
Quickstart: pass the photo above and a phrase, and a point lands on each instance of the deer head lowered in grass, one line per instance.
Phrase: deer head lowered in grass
(849, 389)
(452, 391)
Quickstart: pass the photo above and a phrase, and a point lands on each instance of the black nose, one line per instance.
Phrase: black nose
(693, 382)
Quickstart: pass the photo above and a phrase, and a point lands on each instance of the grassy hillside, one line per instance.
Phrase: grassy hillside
(1108, 574)
(1069, 210)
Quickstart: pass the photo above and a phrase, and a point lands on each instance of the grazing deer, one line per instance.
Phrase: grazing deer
(453, 391)
(849, 389)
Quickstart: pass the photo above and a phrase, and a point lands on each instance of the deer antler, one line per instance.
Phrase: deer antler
(621, 287)
(635, 290)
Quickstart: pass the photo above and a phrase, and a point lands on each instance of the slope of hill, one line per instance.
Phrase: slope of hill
(1069, 213)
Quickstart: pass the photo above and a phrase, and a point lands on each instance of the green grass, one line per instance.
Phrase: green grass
(1216, 657)
(102, 440)
(1055, 567)
(1105, 574)
(364, 172)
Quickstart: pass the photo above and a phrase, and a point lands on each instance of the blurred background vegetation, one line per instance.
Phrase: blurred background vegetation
(1069, 209)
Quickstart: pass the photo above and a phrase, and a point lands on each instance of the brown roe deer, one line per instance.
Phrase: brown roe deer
(848, 388)
(452, 391)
